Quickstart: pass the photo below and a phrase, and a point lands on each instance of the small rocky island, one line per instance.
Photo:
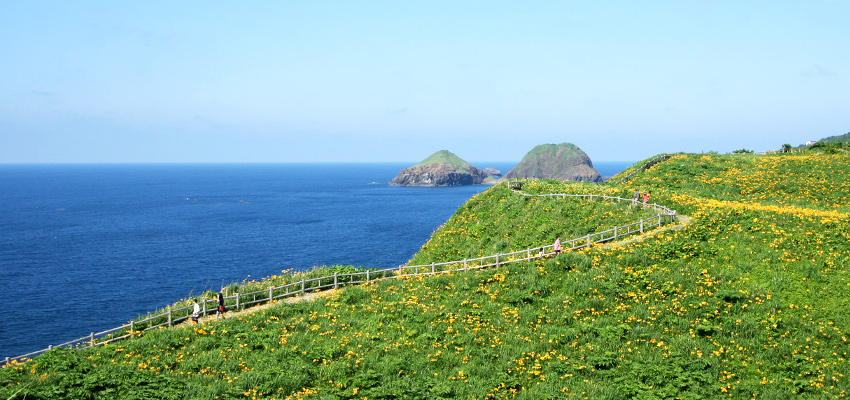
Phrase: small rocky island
(442, 168)
(563, 161)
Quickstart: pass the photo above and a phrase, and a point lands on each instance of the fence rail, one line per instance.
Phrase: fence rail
(245, 300)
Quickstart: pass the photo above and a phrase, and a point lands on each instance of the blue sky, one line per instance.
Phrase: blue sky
(319, 81)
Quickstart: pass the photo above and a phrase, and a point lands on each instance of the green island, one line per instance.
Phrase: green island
(448, 158)
(564, 161)
(747, 296)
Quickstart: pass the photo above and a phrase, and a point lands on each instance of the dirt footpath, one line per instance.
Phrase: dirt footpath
(230, 314)
(683, 222)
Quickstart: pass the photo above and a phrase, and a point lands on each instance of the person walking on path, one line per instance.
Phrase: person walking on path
(557, 245)
(645, 199)
(219, 312)
(637, 196)
(196, 311)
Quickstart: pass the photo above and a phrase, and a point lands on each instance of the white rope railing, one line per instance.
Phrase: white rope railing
(241, 300)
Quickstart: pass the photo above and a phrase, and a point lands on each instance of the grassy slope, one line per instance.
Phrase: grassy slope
(497, 221)
(748, 301)
(446, 157)
(837, 139)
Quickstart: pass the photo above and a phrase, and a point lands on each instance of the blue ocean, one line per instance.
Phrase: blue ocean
(85, 248)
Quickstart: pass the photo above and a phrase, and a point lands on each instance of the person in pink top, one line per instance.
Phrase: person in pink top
(557, 245)
(645, 198)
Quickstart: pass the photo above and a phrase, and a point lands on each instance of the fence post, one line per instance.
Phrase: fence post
(131, 327)
(302, 285)
(237, 300)
(465, 264)
(641, 226)
(497, 260)
(170, 319)
(205, 308)
(336, 281)
(91, 337)
(271, 294)
(615, 233)
(589, 243)
(432, 268)
(367, 275)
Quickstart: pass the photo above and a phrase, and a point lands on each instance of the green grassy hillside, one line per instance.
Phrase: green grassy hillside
(845, 138)
(749, 300)
(497, 221)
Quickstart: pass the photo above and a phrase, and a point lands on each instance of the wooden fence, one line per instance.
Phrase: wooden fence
(244, 300)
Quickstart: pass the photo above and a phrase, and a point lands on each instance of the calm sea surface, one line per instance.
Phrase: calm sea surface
(85, 248)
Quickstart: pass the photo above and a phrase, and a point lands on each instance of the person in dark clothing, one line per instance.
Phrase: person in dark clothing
(219, 312)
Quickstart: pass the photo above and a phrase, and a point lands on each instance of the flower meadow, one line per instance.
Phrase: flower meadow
(749, 299)
(498, 221)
